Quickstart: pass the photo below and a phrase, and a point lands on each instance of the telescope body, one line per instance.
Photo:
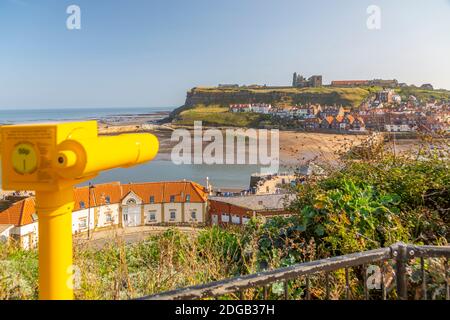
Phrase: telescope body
(51, 159)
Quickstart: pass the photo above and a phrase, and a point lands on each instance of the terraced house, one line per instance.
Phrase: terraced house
(19, 223)
(113, 205)
(162, 203)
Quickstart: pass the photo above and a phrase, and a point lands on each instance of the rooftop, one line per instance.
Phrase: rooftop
(23, 212)
(19, 214)
(259, 202)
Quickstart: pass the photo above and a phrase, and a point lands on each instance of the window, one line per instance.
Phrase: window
(235, 219)
(188, 198)
(152, 199)
(173, 215)
(82, 205)
(108, 200)
(225, 217)
(108, 217)
(125, 217)
(152, 216)
(82, 223)
(172, 198)
(131, 201)
(194, 215)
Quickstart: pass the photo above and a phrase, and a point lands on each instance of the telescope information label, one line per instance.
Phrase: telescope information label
(32, 151)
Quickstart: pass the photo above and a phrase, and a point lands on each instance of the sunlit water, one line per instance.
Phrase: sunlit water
(220, 176)
(45, 115)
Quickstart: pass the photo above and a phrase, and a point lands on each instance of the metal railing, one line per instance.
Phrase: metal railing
(401, 254)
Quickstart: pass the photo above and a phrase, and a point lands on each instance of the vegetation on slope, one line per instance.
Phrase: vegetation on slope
(217, 116)
(210, 105)
(351, 97)
(423, 94)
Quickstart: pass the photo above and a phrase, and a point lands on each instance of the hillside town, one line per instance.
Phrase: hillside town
(372, 116)
(384, 113)
(385, 110)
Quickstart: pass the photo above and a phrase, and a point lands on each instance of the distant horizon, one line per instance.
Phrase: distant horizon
(199, 86)
(84, 108)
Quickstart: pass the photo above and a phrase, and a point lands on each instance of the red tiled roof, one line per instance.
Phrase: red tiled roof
(329, 119)
(107, 193)
(162, 191)
(145, 191)
(99, 195)
(350, 118)
(20, 213)
(81, 196)
(339, 119)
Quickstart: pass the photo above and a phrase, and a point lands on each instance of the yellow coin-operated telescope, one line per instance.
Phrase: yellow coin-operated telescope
(51, 159)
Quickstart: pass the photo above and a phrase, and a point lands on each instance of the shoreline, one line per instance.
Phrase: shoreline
(127, 117)
(296, 148)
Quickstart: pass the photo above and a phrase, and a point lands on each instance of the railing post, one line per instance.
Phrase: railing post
(401, 257)
(447, 281)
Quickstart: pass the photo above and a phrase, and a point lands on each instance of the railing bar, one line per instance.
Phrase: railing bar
(228, 286)
(366, 290)
(327, 284)
(424, 279)
(308, 292)
(286, 290)
(431, 251)
(447, 280)
(347, 285)
(383, 285)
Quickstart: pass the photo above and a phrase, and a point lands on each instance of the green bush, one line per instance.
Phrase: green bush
(366, 205)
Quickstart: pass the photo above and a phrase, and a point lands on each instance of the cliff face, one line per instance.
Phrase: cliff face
(195, 97)
(322, 95)
(273, 95)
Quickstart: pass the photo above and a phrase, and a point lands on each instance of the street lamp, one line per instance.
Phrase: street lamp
(91, 187)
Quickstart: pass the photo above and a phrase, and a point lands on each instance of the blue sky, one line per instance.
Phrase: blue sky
(136, 53)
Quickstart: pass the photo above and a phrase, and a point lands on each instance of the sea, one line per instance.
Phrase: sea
(13, 116)
(221, 177)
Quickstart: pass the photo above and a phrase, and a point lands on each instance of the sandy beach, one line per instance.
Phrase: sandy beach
(295, 147)
(300, 147)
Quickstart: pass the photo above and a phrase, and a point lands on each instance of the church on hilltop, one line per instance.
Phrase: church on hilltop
(299, 81)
